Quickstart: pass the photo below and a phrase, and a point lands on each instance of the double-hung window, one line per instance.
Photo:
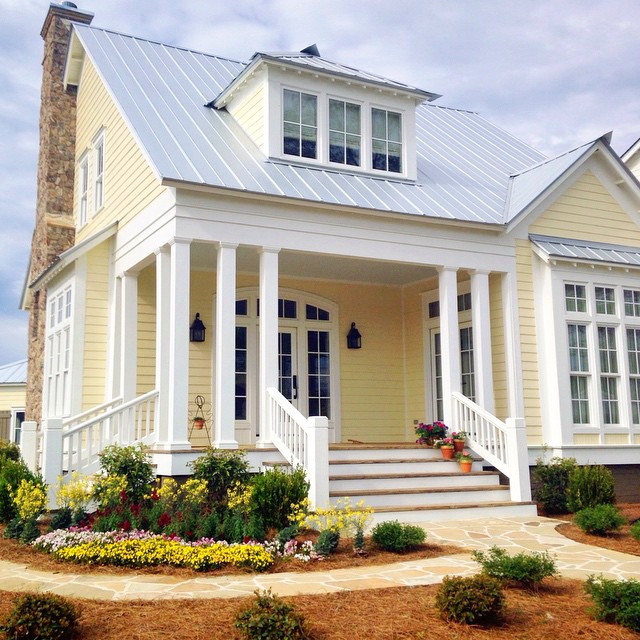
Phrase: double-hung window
(386, 140)
(579, 372)
(300, 124)
(83, 191)
(98, 183)
(345, 140)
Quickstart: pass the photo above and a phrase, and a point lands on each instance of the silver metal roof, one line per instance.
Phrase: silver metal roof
(580, 250)
(468, 169)
(14, 373)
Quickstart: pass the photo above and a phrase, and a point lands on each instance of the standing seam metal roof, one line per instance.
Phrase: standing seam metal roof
(591, 251)
(464, 163)
(14, 373)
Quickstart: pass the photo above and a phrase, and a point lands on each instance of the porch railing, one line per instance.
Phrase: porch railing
(75, 443)
(304, 442)
(501, 444)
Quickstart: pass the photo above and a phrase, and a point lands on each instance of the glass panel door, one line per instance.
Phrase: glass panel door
(287, 365)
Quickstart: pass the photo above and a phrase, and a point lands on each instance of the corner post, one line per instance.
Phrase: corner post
(52, 457)
(318, 462)
(517, 458)
(29, 445)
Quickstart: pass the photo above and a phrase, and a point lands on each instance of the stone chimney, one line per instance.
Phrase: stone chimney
(54, 227)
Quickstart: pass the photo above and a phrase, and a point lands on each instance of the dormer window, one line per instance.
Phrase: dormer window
(345, 140)
(386, 140)
(300, 124)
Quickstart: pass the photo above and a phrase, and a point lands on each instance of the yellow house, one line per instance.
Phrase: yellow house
(13, 383)
(284, 203)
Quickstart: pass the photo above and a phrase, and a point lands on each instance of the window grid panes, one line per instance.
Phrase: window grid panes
(466, 363)
(633, 351)
(580, 399)
(241, 373)
(386, 140)
(437, 375)
(84, 191)
(609, 391)
(605, 300)
(99, 169)
(575, 296)
(319, 373)
(632, 303)
(607, 349)
(578, 348)
(316, 313)
(344, 133)
(300, 124)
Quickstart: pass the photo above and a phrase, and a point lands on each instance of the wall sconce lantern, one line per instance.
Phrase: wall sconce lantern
(197, 330)
(354, 339)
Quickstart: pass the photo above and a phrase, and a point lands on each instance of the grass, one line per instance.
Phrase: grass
(557, 609)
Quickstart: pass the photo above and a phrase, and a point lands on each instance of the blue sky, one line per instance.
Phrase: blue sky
(555, 74)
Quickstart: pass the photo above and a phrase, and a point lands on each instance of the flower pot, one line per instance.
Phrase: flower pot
(458, 445)
(198, 423)
(447, 452)
(465, 465)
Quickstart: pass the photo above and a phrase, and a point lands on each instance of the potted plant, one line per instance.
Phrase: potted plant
(465, 460)
(429, 433)
(446, 447)
(459, 438)
(198, 423)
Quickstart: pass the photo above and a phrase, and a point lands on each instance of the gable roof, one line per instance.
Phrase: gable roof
(467, 169)
(14, 373)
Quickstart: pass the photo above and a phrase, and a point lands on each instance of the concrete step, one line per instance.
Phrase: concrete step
(469, 495)
(378, 451)
(441, 513)
(395, 465)
(396, 481)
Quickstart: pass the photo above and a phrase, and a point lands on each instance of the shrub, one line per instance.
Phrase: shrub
(599, 520)
(635, 530)
(616, 601)
(41, 615)
(12, 472)
(132, 463)
(327, 542)
(472, 600)
(528, 569)
(590, 486)
(8, 451)
(553, 482)
(275, 493)
(396, 537)
(221, 469)
(269, 618)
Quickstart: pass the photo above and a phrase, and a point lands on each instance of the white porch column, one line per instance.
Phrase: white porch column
(163, 311)
(225, 347)
(513, 358)
(128, 335)
(179, 316)
(481, 322)
(268, 336)
(449, 340)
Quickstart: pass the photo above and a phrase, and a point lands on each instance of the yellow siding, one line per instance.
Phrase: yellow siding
(12, 396)
(616, 438)
(146, 378)
(129, 182)
(500, 390)
(96, 331)
(250, 116)
(587, 211)
(586, 438)
(528, 343)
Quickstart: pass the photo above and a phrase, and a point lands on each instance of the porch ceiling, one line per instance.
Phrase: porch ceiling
(319, 266)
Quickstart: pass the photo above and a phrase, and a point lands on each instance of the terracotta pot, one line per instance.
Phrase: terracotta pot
(447, 452)
(465, 465)
(198, 423)
(458, 445)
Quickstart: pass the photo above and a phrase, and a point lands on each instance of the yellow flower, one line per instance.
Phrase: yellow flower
(30, 500)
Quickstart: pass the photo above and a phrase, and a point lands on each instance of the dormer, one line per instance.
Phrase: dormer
(301, 108)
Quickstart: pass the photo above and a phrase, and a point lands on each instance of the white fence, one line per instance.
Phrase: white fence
(304, 442)
(503, 445)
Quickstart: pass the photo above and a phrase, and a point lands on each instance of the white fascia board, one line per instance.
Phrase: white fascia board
(612, 454)
(74, 62)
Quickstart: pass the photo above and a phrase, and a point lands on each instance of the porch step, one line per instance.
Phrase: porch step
(394, 481)
(395, 465)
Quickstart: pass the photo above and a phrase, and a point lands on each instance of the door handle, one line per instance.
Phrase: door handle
(295, 387)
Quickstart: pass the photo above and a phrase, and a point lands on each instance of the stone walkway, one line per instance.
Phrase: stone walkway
(517, 534)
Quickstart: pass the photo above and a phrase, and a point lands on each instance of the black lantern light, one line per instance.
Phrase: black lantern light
(354, 339)
(197, 330)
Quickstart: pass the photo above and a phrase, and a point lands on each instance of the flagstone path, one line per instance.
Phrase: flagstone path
(574, 560)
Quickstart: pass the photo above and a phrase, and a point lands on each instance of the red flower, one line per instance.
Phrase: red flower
(164, 520)
(126, 525)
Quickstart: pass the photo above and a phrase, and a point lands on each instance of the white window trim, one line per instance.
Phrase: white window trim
(99, 148)
(83, 190)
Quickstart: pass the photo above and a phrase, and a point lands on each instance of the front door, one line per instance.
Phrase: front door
(288, 365)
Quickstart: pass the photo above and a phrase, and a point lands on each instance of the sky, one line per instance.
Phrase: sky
(555, 73)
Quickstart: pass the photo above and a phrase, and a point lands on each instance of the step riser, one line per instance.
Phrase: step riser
(461, 497)
(384, 454)
(436, 466)
(464, 513)
(428, 482)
